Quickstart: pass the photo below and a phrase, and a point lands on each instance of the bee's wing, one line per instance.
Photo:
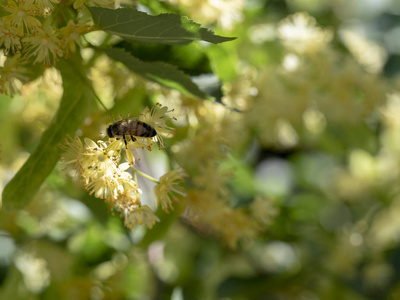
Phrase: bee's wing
(134, 117)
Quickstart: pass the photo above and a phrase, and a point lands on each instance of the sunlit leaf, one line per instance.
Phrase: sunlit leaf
(71, 112)
(190, 58)
(131, 24)
(160, 72)
(224, 61)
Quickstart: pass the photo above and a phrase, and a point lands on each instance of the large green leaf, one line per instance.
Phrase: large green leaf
(160, 72)
(71, 112)
(190, 58)
(137, 26)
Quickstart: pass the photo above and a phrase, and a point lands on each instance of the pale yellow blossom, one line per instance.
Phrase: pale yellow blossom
(225, 13)
(263, 210)
(168, 188)
(42, 7)
(8, 37)
(21, 17)
(98, 166)
(70, 35)
(156, 118)
(13, 74)
(43, 46)
(208, 213)
(299, 33)
(142, 215)
(72, 156)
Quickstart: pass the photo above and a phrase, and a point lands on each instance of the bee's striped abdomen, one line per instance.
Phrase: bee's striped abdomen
(145, 130)
(130, 127)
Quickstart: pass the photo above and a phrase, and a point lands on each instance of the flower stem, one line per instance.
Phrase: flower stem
(145, 175)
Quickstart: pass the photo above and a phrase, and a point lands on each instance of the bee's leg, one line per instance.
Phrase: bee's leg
(133, 139)
(126, 144)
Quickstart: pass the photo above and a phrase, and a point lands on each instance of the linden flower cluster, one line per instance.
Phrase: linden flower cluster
(225, 13)
(206, 154)
(22, 30)
(314, 85)
(26, 34)
(100, 168)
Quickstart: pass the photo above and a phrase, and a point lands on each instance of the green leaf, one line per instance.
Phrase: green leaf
(189, 58)
(70, 115)
(224, 59)
(133, 25)
(160, 72)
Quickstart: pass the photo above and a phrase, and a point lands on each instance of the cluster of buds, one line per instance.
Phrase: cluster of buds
(31, 33)
(101, 169)
(22, 30)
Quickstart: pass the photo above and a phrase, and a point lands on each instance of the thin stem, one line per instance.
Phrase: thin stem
(90, 86)
(145, 175)
(99, 100)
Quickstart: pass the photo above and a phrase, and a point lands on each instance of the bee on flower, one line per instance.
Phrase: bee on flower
(142, 131)
(156, 118)
(104, 173)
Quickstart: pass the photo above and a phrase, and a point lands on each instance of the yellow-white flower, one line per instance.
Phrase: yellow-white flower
(102, 186)
(300, 33)
(168, 188)
(72, 156)
(156, 118)
(8, 37)
(98, 167)
(43, 45)
(98, 159)
(21, 17)
(42, 7)
(13, 73)
(129, 196)
(140, 215)
(70, 35)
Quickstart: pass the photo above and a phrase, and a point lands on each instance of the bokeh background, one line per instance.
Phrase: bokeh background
(293, 186)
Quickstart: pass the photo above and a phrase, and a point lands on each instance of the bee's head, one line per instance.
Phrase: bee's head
(109, 131)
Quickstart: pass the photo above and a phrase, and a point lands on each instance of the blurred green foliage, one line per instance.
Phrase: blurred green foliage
(293, 174)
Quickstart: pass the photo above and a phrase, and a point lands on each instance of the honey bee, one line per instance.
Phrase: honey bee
(130, 127)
